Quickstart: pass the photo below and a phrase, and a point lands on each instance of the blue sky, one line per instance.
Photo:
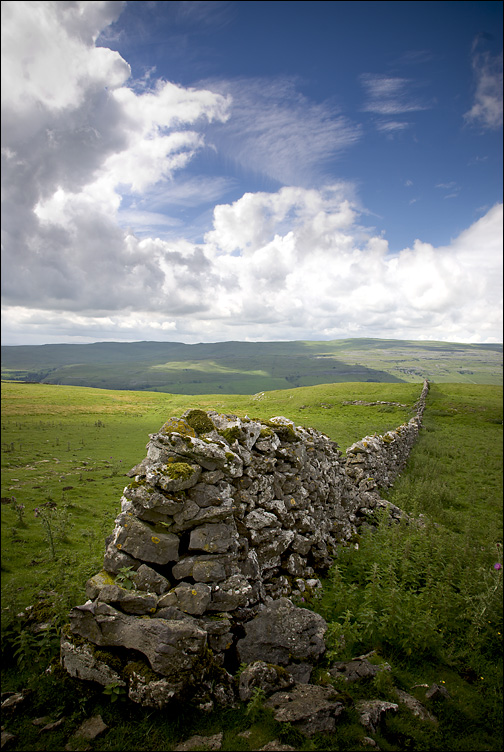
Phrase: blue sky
(207, 171)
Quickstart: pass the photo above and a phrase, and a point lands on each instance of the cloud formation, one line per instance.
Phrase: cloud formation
(271, 121)
(487, 108)
(294, 264)
(75, 138)
(80, 141)
(389, 95)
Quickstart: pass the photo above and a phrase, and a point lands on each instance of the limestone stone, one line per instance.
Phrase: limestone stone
(356, 670)
(371, 712)
(220, 636)
(144, 495)
(91, 728)
(209, 456)
(416, 707)
(436, 692)
(283, 634)
(265, 676)
(309, 707)
(216, 538)
(175, 475)
(95, 584)
(115, 559)
(146, 578)
(296, 565)
(208, 495)
(79, 660)
(193, 599)
(145, 542)
(129, 601)
(152, 694)
(172, 647)
(213, 742)
(231, 594)
(259, 519)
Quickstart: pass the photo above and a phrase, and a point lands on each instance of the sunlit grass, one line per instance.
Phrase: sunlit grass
(427, 599)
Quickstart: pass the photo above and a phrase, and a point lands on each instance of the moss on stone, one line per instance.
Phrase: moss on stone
(266, 433)
(178, 425)
(134, 485)
(141, 669)
(199, 421)
(105, 656)
(231, 434)
(285, 432)
(178, 470)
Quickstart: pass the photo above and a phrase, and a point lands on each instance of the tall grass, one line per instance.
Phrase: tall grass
(427, 594)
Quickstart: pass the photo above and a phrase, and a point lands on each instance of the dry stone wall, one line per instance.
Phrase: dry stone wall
(224, 517)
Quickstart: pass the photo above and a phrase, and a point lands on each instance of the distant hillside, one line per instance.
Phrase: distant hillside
(250, 367)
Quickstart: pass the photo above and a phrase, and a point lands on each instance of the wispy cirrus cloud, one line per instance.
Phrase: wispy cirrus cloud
(392, 127)
(451, 188)
(487, 109)
(390, 95)
(271, 121)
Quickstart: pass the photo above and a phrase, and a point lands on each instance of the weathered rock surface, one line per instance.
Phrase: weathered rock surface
(310, 708)
(283, 634)
(265, 676)
(200, 742)
(436, 692)
(371, 712)
(80, 661)
(416, 707)
(352, 671)
(172, 647)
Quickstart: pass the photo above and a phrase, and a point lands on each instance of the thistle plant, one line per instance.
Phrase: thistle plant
(55, 523)
(20, 511)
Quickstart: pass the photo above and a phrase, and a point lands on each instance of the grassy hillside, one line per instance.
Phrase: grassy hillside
(427, 599)
(249, 367)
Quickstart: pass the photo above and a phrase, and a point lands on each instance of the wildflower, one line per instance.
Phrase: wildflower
(497, 566)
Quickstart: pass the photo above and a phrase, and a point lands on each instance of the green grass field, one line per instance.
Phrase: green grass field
(73, 445)
(428, 600)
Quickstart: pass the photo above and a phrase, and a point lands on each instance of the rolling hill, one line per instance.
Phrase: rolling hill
(250, 367)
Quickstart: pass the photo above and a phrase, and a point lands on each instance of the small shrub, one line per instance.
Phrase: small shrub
(115, 692)
(255, 706)
(124, 578)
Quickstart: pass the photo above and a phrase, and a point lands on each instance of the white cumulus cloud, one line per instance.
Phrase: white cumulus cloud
(293, 263)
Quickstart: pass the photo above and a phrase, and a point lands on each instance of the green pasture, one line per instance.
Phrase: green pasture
(248, 367)
(74, 445)
(427, 599)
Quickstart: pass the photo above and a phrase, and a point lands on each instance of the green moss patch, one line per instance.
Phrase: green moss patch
(179, 470)
(199, 421)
